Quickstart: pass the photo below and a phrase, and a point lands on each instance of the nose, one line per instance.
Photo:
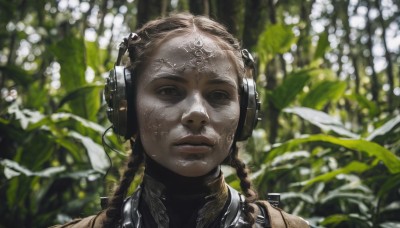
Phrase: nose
(195, 116)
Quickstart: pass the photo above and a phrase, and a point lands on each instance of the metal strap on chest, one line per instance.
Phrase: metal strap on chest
(131, 217)
(232, 218)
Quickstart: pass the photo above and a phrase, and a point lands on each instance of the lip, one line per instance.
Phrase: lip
(194, 144)
(195, 140)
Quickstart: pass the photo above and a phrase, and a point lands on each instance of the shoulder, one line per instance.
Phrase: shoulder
(93, 221)
(279, 218)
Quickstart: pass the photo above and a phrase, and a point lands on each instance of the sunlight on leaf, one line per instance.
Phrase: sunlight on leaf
(17, 168)
(96, 153)
(390, 160)
(323, 93)
(389, 126)
(354, 166)
(321, 120)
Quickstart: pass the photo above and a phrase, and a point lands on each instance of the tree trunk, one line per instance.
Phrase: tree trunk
(230, 13)
(255, 20)
(374, 77)
(199, 7)
(352, 55)
(389, 68)
(147, 10)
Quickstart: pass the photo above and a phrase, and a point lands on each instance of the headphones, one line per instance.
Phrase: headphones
(119, 97)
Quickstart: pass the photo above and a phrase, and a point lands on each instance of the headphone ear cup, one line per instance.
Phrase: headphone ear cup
(116, 94)
(249, 110)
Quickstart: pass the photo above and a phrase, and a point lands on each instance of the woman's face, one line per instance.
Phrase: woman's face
(187, 104)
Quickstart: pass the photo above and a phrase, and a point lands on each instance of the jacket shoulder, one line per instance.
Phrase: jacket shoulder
(280, 219)
(93, 221)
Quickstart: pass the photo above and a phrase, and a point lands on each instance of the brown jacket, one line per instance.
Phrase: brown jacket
(277, 217)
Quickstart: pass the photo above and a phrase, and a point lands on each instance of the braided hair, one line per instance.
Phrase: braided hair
(150, 36)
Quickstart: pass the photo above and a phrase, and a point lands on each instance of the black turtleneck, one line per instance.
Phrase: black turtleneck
(182, 196)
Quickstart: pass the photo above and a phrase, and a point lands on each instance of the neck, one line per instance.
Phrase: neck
(178, 201)
(178, 184)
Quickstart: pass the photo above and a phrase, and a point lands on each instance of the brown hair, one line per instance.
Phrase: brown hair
(151, 35)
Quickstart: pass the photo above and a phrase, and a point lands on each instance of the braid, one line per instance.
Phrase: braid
(245, 183)
(113, 211)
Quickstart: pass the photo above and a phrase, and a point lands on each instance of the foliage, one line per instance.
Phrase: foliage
(329, 140)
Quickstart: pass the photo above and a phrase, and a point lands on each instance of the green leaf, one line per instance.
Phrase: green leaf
(61, 116)
(275, 39)
(285, 93)
(291, 195)
(321, 120)
(364, 103)
(18, 75)
(391, 183)
(354, 166)
(348, 220)
(84, 101)
(95, 56)
(17, 168)
(25, 116)
(92, 54)
(70, 53)
(322, 46)
(322, 93)
(390, 126)
(97, 156)
(390, 160)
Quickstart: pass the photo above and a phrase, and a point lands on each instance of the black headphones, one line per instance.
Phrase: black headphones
(119, 97)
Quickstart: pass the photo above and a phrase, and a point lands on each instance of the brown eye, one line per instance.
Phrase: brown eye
(219, 96)
(169, 93)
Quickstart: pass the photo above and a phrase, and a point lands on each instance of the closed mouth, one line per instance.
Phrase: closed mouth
(195, 140)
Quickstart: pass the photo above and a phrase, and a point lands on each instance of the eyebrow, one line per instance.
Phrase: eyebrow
(214, 79)
(169, 76)
(222, 80)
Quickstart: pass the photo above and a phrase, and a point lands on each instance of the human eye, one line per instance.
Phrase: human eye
(169, 92)
(219, 96)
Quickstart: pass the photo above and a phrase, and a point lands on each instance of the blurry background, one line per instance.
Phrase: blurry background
(328, 78)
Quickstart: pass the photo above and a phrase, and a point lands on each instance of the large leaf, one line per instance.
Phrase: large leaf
(321, 120)
(97, 156)
(370, 106)
(335, 220)
(391, 161)
(12, 169)
(285, 93)
(354, 166)
(70, 53)
(84, 101)
(18, 75)
(382, 132)
(391, 183)
(25, 117)
(60, 116)
(322, 46)
(95, 56)
(322, 93)
(275, 39)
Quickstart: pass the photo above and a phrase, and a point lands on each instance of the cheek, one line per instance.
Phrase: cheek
(228, 124)
(154, 121)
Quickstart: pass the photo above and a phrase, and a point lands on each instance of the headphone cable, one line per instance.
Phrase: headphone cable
(106, 145)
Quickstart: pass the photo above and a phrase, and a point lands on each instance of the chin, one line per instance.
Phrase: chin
(194, 169)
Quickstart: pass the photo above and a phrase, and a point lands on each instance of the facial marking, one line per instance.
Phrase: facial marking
(159, 63)
(200, 54)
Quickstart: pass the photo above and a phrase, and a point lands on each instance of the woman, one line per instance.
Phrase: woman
(184, 100)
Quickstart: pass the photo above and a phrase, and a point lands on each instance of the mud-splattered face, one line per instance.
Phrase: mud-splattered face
(187, 105)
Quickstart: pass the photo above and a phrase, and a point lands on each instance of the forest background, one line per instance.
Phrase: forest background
(328, 79)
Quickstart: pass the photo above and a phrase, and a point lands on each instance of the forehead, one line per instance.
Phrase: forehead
(194, 49)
